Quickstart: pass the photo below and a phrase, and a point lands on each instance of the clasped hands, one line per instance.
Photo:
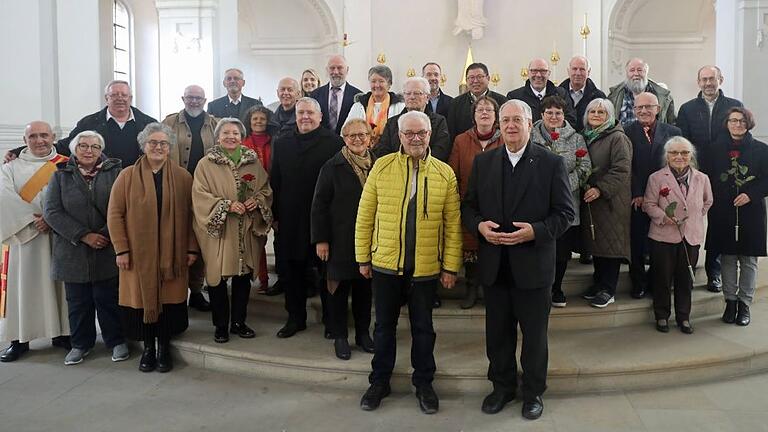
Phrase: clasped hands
(522, 235)
(242, 207)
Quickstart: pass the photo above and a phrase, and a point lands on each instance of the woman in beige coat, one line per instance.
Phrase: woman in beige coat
(231, 201)
(605, 214)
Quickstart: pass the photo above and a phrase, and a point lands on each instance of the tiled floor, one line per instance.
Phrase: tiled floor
(39, 393)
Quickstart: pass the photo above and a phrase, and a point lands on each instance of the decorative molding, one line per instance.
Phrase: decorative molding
(186, 4)
(263, 47)
(659, 42)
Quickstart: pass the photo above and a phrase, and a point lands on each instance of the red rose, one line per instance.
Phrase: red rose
(734, 154)
(664, 192)
(248, 178)
(554, 135)
(580, 153)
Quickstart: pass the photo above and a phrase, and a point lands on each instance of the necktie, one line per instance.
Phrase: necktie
(541, 96)
(333, 108)
(647, 130)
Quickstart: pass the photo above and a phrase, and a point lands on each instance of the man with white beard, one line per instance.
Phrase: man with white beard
(623, 94)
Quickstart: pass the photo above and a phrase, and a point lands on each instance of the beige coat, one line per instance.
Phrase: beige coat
(215, 188)
(178, 123)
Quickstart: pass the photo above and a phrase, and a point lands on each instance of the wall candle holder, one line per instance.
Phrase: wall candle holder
(584, 32)
(495, 79)
(381, 58)
(411, 72)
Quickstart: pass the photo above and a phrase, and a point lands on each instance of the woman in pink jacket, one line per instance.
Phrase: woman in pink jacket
(676, 199)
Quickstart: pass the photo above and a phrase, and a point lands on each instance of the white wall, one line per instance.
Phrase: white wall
(146, 64)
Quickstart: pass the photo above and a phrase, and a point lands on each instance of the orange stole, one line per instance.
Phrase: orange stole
(40, 178)
(4, 280)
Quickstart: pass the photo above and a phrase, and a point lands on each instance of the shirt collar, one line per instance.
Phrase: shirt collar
(130, 116)
(475, 98)
(235, 101)
(342, 87)
(537, 93)
(514, 157)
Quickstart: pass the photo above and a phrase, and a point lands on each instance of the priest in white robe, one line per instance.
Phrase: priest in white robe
(32, 305)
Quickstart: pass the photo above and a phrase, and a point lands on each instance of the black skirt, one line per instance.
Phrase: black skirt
(174, 319)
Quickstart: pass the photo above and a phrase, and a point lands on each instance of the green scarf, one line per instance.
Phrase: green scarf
(593, 134)
(234, 156)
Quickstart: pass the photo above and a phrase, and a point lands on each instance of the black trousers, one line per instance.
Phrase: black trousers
(84, 301)
(671, 266)
(606, 276)
(295, 280)
(220, 304)
(506, 307)
(391, 292)
(565, 244)
(360, 290)
(712, 264)
(640, 223)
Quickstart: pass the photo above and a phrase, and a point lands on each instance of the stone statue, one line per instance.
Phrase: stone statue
(470, 18)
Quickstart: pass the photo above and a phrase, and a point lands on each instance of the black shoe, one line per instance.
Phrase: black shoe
(428, 401)
(558, 299)
(729, 315)
(373, 396)
(742, 317)
(662, 325)
(220, 335)
(164, 360)
(591, 292)
(242, 330)
(62, 342)
(197, 301)
(436, 303)
(148, 361)
(638, 291)
(290, 329)
(470, 299)
(715, 284)
(365, 342)
(275, 289)
(533, 409)
(495, 401)
(686, 327)
(341, 346)
(327, 334)
(585, 258)
(14, 352)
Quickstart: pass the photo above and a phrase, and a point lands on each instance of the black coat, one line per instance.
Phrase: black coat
(218, 107)
(591, 92)
(461, 115)
(73, 209)
(439, 141)
(334, 212)
(525, 94)
(443, 105)
(647, 159)
(541, 198)
(721, 236)
(701, 129)
(320, 94)
(296, 162)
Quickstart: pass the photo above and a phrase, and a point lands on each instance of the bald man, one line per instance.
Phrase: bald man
(288, 92)
(537, 86)
(337, 97)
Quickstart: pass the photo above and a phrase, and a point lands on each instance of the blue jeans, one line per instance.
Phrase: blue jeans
(84, 301)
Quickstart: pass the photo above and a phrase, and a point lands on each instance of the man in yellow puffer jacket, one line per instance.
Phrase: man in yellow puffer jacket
(407, 235)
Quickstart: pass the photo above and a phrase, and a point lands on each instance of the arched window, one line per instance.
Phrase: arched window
(121, 41)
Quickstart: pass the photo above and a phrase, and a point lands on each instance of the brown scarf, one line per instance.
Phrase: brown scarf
(380, 121)
(165, 259)
(361, 165)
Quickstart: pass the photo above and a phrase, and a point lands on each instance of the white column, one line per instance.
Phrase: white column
(593, 10)
(356, 20)
(726, 43)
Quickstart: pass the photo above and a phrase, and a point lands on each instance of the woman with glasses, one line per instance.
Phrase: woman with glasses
(676, 200)
(737, 220)
(554, 133)
(484, 136)
(334, 211)
(150, 224)
(83, 256)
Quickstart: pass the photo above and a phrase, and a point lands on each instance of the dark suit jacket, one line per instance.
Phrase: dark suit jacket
(526, 95)
(542, 198)
(461, 114)
(439, 140)
(591, 92)
(647, 159)
(217, 107)
(348, 99)
(443, 105)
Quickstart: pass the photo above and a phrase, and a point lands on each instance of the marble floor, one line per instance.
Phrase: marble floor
(39, 393)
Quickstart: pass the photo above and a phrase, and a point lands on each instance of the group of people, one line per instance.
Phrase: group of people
(383, 194)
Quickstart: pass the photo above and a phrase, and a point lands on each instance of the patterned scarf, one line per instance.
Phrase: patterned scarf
(89, 174)
(361, 165)
(380, 121)
(682, 178)
(592, 134)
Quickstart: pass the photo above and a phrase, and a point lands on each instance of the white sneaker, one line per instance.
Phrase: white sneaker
(75, 356)
(120, 352)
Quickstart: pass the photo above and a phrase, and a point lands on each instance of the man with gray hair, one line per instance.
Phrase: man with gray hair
(622, 95)
(518, 202)
(416, 94)
(288, 92)
(234, 103)
(580, 88)
(337, 97)
(409, 254)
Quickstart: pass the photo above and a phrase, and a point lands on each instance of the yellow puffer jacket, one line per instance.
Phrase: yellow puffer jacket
(380, 227)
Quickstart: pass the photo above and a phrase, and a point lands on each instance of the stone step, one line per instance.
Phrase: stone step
(603, 359)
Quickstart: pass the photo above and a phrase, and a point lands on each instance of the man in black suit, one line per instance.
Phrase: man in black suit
(648, 136)
(439, 102)
(461, 115)
(518, 202)
(337, 97)
(235, 103)
(537, 86)
(581, 89)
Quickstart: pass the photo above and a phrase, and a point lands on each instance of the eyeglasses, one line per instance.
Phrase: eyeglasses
(554, 113)
(538, 71)
(155, 144)
(422, 134)
(679, 153)
(645, 107)
(194, 98)
(415, 93)
(118, 96)
(737, 121)
(516, 120)
(484, 110)
(91, 147)
(357, 136)
(473, 78)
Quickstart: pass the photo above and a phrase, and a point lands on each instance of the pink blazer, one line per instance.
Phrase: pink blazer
(694, 206)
